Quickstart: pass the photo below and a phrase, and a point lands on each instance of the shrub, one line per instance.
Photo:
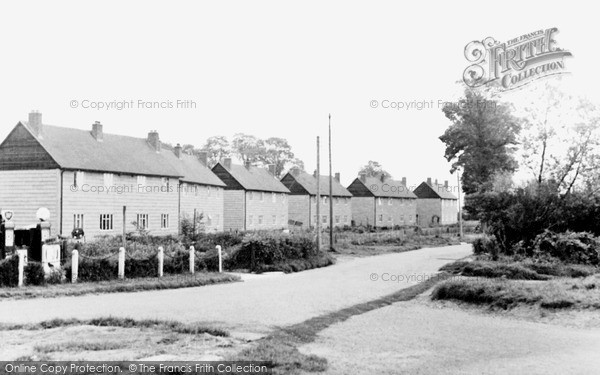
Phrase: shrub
(9, 271)
(94, 270)
(34, 273)
(141, 267)
(486, 245)
(569, 247)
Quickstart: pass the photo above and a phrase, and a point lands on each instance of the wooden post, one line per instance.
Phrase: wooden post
(221, 258)
(192, 260)
(194, 226)
(318, 198)
(124, 240)
(74, 265)
(330, 193)
(161, 260)
(121, 263)
(21, 255)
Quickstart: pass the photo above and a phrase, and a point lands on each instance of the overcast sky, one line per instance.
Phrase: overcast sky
(270, 68)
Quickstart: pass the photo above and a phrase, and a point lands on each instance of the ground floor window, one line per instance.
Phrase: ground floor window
(164, 221)
(106, 222)
(77, 221)
(250, 220)
(260, 219)
(337, 219)
(274, 219)
(142, 221)
(380, 217)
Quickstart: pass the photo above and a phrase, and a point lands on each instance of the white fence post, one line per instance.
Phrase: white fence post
(21, 255)
(192, 260)
(161, 260)
(74, 265)
(121, 263)
(220, 258)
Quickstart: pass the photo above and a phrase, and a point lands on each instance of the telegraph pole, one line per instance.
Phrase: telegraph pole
(460, 223)
(330, 193)
(318, 198)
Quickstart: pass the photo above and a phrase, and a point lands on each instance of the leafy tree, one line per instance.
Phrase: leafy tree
(560, 138)
(248, 147)
(277, 151)
(374, 169)
(481, 140)
(217, 148)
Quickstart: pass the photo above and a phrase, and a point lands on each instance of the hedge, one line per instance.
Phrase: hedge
(9, 271)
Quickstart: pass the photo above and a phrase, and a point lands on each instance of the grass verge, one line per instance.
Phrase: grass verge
(507, 294)
(518, 270)
(280, 349)
(168, 325)
(117, 286)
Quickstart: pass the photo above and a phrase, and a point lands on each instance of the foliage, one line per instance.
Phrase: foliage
(569, 247)
(34, 273)
(94, 270)
(189, 229)
(9, 271)
(217, 148)
(374, 169)
(481, 140)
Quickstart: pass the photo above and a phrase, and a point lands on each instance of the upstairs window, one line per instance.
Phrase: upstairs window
(142, 221)
(78, 178)
(141, 180)
(109, 179)
(106, 222)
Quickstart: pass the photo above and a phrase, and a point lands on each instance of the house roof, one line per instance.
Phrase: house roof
(255, 178)
(309, 183)
(434, 190)
(78, 149)
(387, 189)
(191, 169)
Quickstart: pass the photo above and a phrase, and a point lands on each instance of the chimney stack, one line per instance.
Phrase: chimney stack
(404, 181)
(382, 177)
(248, 164)
(177, 151)
(97, 131)
(154, 140)
(35, 122)
(436, 183)
(362, 177)
(428, 180)
(203, 157)
(272, 169)
(227, 163)
(337, 176)
(446, 184)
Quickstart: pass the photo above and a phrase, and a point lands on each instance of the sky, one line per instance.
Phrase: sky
(271, 69)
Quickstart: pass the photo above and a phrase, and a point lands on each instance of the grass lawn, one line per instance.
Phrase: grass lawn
(389, 245)
(117, 286)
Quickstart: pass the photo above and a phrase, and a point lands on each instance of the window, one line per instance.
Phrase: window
(165, 182)
(390, 202)
(142, 221)
(250, 220)
(346, 200)
(379, 201)
(109, 179)
(402, 218)
(324, 219)
(260, 219)
(337, 219)
(141, 180)
(274, 219)
(106, 222)
(183, 188)
(345, 218)
(78, 179)
(337, 200)
(283, 198)
(262, 196)
(77, 221)
(164, 221)
(273, 197)
(250, 195)
(196, 190)
(390, 218)
(381, 218)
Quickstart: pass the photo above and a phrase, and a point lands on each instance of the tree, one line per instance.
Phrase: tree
(481, 140)
(277, 151)
(560, 138)
(373, 169)
(247, 147)
(217, 148)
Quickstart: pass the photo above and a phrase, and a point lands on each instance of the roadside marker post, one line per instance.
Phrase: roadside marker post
(74, 266)
(220, 258)
(161, 260)
(121, 263)
(192, 260)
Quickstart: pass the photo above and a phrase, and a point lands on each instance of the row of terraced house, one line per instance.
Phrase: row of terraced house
(105, 183)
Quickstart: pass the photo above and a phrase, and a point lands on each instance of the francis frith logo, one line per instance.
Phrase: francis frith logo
(514, 63)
